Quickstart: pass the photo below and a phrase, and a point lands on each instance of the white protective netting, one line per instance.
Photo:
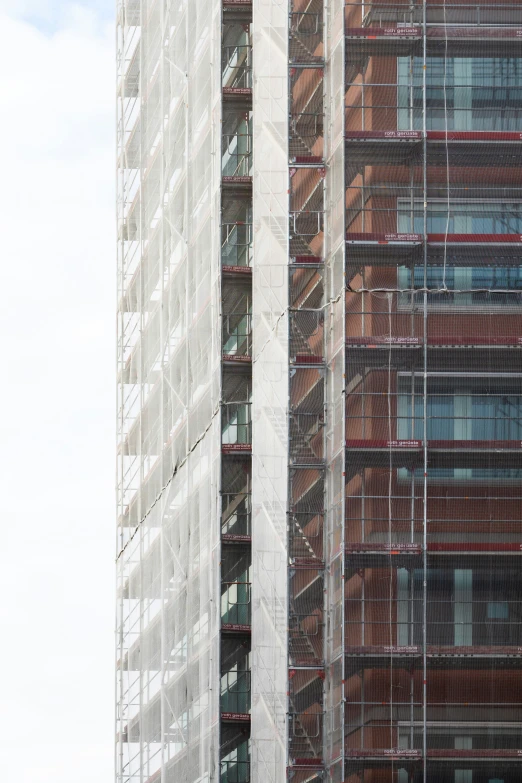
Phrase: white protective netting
(270, 399)
(169, 380)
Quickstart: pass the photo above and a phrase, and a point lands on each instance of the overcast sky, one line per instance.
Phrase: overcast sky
(57, 362)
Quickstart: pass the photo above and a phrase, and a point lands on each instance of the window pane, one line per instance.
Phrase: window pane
(498, 611)
(465, 93)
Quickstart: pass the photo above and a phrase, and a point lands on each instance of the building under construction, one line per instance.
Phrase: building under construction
(319, 391)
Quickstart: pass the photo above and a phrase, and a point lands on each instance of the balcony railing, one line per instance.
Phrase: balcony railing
(237, 334)
(235, 603)
(235, 691)
(236, 244)
(237, 66)
(236, 423)
(235, 772)
(236, 518)
(237, 155)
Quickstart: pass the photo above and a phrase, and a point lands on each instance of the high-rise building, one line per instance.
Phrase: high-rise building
(320, 397)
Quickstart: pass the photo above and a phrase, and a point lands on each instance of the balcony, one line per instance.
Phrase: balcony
(236, 433)
(236, 517)
(237, 337)
(235, 761)
(236, 244)
(236, 692)
(236, 147)
(236, 66)
(237, 155)
(235, 607)
(235, 772)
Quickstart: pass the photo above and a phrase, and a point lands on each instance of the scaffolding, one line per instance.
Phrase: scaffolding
(319, 398)
(170, 398)
(432, 418)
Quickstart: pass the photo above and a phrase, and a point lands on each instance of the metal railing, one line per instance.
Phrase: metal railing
(236, 65)
(237, 334)
(236, 155)
(235, 691)
(235, 772)
(236, 516)
(236, 422)
(236, 244)
(235, 603)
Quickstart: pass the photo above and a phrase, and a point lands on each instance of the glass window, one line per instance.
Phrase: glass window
(465, 93)
(496, 417)
(475, 285)
(462, 217)
(476, 410)
(459, 415)
(498, 610)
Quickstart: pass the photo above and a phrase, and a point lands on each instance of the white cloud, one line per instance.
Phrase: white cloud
(57, 393)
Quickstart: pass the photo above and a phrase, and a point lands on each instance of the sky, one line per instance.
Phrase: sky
(57, 428)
